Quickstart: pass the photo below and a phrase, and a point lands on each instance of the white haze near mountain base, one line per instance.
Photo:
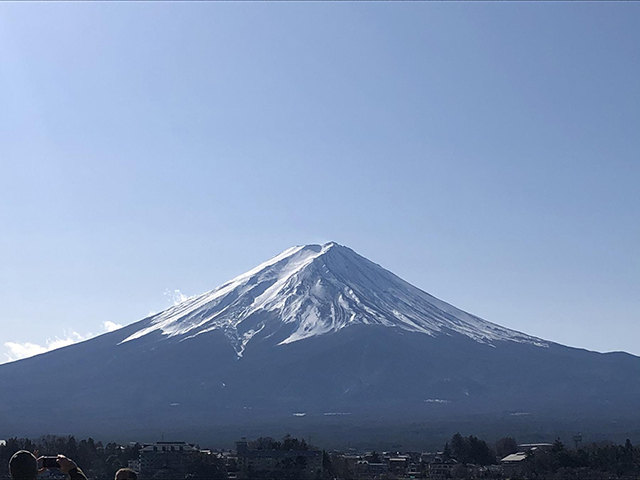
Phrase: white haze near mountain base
(19, 350)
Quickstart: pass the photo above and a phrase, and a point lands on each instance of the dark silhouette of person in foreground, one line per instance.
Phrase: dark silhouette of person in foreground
(126, 474)
(24, 466)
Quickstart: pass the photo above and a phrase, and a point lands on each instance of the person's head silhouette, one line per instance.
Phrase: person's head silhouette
(23, 466)
(126, 474)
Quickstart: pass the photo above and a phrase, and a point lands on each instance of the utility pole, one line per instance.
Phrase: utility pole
(577, 439)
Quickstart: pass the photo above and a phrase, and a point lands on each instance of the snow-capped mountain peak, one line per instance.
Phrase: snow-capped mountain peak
(314, 290)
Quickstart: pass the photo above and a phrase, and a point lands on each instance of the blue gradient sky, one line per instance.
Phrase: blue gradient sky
(489, 153)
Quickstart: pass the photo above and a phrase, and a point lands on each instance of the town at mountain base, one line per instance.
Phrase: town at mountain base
(315, 340)
(266, 458)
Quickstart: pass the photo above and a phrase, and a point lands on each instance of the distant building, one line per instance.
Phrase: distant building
(351, 461)
(513, 464)
(413, 471)
(365, 469)
(430, 457)
(441, 468)
(166, 459)
(230, 463)
(398, 465)
(307, 462)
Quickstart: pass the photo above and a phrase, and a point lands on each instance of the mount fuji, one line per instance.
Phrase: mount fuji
(314, 339)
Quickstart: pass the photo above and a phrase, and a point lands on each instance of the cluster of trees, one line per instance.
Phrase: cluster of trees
(288, 443)
(594, 461)
(335, 466)
(469, 450)
(97, 460)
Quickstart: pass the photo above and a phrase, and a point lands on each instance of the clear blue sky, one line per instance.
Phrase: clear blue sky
(489, 153)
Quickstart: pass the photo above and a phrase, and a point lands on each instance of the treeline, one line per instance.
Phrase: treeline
(96, 460)
(595, 461)
(591, 462)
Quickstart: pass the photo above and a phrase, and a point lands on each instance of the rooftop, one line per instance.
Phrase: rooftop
(514, 457)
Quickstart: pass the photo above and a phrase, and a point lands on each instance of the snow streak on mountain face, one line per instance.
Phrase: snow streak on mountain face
(314, 290)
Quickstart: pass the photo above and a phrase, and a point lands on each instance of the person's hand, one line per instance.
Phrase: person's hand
(66, 464)
(41, 469)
